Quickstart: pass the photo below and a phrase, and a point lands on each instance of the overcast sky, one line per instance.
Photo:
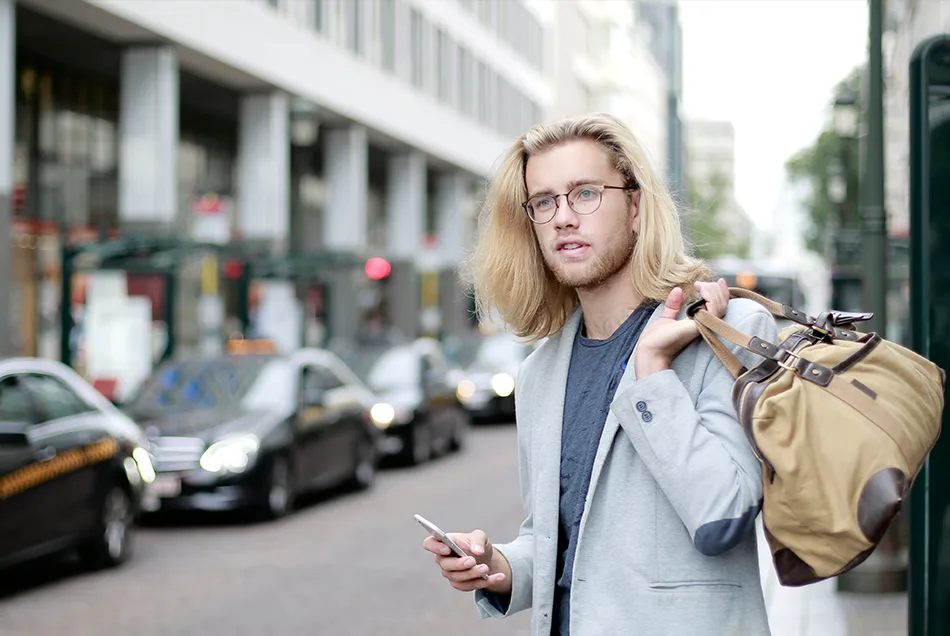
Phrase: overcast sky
(769, 66)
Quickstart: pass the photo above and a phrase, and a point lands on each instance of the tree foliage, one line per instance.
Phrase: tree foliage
(708, 230)
(814, 165)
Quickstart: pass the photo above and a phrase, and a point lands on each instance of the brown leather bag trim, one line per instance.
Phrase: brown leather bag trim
(871, 340)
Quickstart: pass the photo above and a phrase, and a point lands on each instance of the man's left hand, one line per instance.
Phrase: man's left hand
(666, 336)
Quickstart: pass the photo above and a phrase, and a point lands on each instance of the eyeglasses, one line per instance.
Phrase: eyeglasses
(583, 199)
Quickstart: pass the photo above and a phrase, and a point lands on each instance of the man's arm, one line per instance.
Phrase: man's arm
(516, 558)
(699, 456)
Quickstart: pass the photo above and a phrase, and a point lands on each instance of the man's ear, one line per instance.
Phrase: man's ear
(635, 211)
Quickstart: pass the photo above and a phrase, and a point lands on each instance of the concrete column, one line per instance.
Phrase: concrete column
(347, 177)
(454, 228)
(263, 186)
(405, 218)
(148, 128)
(7, 114)
(346, 174)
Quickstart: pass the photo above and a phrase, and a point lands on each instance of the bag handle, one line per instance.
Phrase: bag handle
(827, 323)
(710, 327)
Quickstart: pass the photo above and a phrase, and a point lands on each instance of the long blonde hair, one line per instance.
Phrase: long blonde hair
(507, 269)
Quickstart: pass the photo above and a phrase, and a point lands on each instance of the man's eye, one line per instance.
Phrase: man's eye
(544, 203)
(586, 193)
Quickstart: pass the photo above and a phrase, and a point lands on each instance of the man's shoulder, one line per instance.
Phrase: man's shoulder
(539, 358)
(742, 310)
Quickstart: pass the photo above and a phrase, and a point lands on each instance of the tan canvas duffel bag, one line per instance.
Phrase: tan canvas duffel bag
(841, 422)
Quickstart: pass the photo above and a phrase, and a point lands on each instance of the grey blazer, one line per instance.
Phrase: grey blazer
(667, 543)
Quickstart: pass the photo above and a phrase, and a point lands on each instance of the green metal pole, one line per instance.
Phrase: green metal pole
(170, 293)
(873, 216)
(65, 301)
(929, 597)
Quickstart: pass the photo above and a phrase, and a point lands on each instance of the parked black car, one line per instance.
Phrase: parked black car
(254, 431)
(490, 363)
(417, 408)
(74, 471)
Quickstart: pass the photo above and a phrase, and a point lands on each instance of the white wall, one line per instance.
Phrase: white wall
(250, 36)
(599, 62)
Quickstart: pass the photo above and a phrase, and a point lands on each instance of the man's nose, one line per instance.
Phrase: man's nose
(564, 215)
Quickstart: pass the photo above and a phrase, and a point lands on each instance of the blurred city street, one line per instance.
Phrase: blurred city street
(237, 265)
(350, 565)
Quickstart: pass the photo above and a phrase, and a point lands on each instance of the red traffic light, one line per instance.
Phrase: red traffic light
(233, 269)
(377, 268)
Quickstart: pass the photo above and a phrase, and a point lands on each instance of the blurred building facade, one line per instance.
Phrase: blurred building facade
(357, 126)
(907, 23)
(622, 57)
(711, 161)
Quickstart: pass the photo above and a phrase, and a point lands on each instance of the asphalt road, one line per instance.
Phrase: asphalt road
(349, 564)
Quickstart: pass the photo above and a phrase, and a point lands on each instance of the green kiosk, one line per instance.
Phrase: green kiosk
(929, 597)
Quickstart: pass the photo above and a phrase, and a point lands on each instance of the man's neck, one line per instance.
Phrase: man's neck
(609, 305)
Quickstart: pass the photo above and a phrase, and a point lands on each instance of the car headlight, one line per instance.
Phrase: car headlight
(382, 414)
(465, 390)
(232, 454)
(502, 384)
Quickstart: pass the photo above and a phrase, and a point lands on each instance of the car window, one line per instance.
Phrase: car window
(54, 398)
(320, 378)
(15, 403)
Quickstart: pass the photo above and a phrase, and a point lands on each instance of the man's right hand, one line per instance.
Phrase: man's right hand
(465, 574)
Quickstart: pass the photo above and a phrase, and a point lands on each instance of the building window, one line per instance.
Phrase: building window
(443, 66)
(387, 25)
(466, 82)
(484, 93)
(356, 25)
(416, 42)
(319, 21)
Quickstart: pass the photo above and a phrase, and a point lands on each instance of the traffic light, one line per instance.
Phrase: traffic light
(929, 585)
(377, 268)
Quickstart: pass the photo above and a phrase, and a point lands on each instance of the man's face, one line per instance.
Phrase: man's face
(584, 251)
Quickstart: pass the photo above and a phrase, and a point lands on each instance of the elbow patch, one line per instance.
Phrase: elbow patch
(716, 537)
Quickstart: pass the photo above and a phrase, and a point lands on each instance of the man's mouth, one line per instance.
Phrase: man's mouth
(573, 249)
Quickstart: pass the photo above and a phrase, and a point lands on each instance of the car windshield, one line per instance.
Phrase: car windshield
(491, 353)
(231, 382)
(394, 368)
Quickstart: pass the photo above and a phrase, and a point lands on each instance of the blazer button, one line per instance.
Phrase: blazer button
(647, 416)
(641, 406)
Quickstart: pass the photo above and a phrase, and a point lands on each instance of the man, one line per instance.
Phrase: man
(639, 486)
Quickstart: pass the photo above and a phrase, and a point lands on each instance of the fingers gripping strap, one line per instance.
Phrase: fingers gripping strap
(733, 335)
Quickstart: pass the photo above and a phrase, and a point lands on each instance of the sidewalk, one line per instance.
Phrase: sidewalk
(820, 610)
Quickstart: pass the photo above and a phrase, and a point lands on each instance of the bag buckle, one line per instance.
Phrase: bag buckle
(784, 362)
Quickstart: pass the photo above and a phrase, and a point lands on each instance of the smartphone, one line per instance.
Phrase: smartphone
(437, 532)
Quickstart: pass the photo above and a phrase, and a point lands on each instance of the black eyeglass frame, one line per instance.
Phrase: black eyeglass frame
(600, 187)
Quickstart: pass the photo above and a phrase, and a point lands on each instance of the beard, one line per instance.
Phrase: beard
(599, 270)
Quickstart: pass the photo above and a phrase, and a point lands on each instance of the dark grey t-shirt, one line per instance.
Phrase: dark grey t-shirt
(596, 369)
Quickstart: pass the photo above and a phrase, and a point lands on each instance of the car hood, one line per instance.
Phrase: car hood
(207, 424)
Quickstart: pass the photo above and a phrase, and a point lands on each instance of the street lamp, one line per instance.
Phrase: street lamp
(846, 112)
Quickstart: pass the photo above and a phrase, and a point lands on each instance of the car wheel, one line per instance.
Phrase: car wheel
(112, 545)
(365, 472)
(279, 491)
(462, 425)
(421, 450)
